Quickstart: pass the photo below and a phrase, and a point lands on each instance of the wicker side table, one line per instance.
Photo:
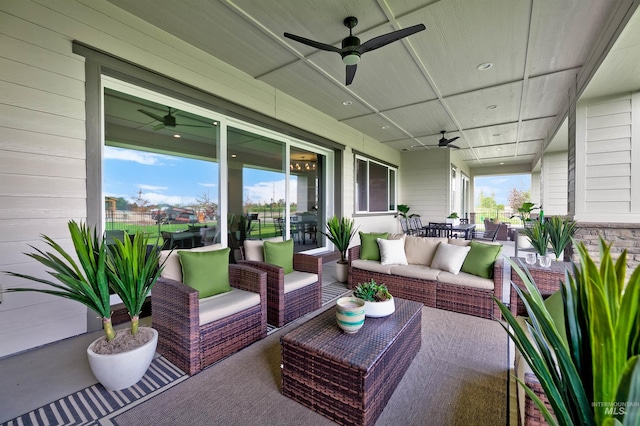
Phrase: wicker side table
(546, 279)
(349, 378)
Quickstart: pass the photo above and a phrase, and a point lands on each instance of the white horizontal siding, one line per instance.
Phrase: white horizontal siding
(555, 183)
(609, 155)
(42, 173)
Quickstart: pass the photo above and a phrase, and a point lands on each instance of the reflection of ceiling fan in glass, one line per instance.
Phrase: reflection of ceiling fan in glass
(168, 120)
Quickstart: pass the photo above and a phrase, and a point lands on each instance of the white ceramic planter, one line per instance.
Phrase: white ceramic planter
(454, 222)
(120, 371)
(379, 309)
(342, 272)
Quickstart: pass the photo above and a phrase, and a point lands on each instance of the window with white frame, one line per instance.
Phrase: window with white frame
(375, 186)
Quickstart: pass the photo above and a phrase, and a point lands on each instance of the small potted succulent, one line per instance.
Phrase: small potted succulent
(378, 302)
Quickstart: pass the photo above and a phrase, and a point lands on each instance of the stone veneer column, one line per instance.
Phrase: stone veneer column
(622, 235)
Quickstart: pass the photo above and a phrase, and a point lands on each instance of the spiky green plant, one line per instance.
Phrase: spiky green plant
(371, 291)
(132, 272)
(403, 212)
(594, 379)
(340, 231)
(561, 231)
(539, 237)
(87, 283)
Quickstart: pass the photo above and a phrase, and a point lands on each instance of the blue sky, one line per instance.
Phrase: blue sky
(164, 179)
(501, 186)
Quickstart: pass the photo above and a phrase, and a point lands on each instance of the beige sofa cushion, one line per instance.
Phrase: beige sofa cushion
(296, 279)
(254, 249)
(371, 265)
(420, 250)
(172, 267)
(449, 257)
(224, 304)
(459, 242)
(420, 272)
(464, 279)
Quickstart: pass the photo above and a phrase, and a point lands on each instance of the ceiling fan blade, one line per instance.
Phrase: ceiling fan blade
(158, 126)
(351, 72)
(454, 146)
(312, 43)
(453, 139)
(152, 115)
(383, 40)
(192, 125)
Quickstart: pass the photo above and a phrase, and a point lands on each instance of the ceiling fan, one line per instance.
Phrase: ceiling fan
(442, 143)
(352, 49)
(168, 120)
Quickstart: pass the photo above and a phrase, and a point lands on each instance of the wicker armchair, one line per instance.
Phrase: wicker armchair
(193, 347)
(283, 307)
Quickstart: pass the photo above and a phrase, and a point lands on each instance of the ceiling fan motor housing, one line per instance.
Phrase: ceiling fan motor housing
(169, 120)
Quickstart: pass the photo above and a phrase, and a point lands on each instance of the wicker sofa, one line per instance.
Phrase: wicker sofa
(462, 292)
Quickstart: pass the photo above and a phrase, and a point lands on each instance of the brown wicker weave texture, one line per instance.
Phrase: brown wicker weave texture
(349, 378)
(175, 315)
(548, 280)
(532, 415)
(282, 307)
(450, 297)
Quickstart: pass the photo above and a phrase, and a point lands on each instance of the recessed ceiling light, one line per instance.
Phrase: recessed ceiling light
(385, 127)
(492, 107)
(485, 66)
(498, 149)
(347, 103)
(233, 155)
(176, 136)
(501, 164)
(496, 135)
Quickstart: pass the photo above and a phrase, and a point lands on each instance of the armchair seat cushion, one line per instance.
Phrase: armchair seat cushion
(225, 304)
(297, 279)
(465, 279)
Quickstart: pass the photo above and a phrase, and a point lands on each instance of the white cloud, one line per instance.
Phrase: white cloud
(146, 158)
(264, 192)
(208, 185)
(155, 198)
(151, 187)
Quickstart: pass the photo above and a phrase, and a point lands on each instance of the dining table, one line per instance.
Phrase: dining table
(467, 228)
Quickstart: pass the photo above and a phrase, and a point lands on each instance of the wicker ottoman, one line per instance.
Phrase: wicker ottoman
(349, 378)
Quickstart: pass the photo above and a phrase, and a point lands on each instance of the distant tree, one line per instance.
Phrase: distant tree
(488, 202)
(517, 198)
(122, 204)
(205, 205)
(140, 204)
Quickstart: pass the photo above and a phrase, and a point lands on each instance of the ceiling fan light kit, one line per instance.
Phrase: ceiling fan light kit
(352, 50)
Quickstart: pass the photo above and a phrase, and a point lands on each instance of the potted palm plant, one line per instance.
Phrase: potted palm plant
(453, 218)
(538, 235)
(561, 231)
(590, 373)
(340, 231)
(117, 359)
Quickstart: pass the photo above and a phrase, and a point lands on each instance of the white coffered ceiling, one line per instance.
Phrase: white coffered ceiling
(405, 93)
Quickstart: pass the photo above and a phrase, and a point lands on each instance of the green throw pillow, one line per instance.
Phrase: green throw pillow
(279, 254)
(206, 271)
(555, 307)
(369, 249)
(481, 258)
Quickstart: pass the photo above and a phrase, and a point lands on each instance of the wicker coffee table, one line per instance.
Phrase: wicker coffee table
(349, 378)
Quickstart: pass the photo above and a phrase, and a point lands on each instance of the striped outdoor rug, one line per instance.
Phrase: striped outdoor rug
(94, 404)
